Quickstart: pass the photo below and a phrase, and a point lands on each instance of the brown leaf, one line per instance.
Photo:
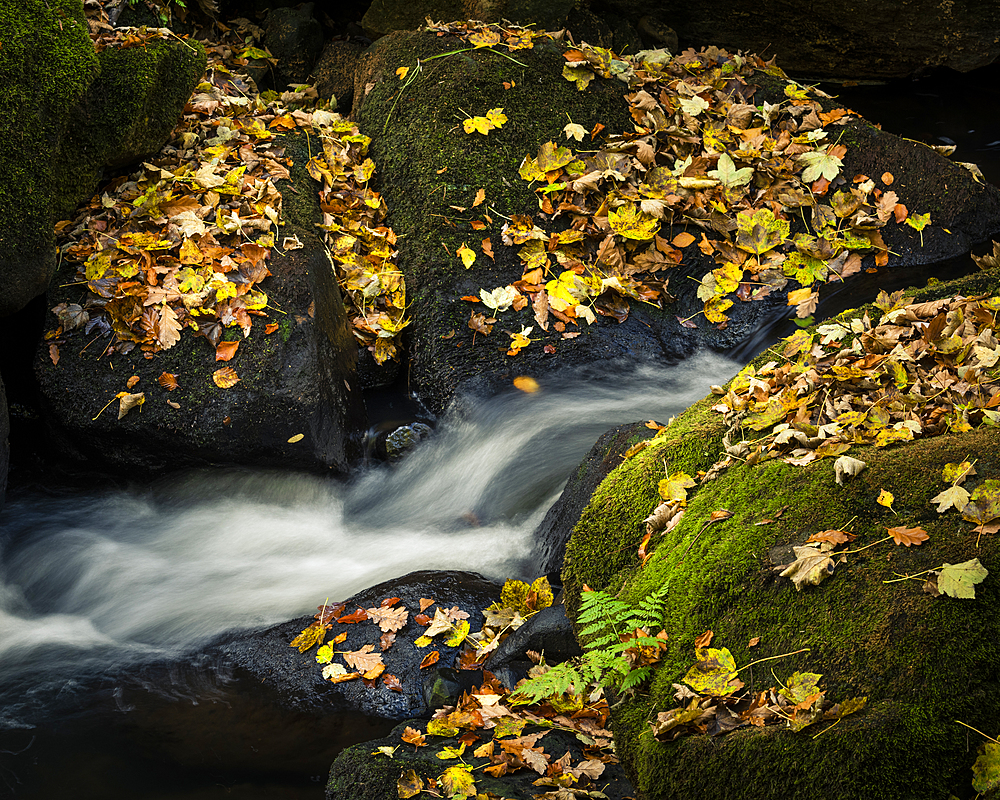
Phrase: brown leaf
(392, 682)
(386, 640)
(226, 350)
(704, 640)
(364, 660)
(131, 381)
(225, 377)
(389, 619)
(488, 248)
(54, 354)
(754, 642)
(411, 735)
(832, 536)
(479, 324)
(430, 659)
(358, 616)
(480, 197)
(908, 536)
(168, 329)
(270, 328)
(540, 305)
(129, 401)
(887, 178)
(426, 602)
(720, 514)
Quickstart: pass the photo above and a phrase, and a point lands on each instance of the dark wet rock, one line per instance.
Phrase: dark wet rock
(549, 632)
(386, 16)
(4, 442)
(297, 380)
(555, 529)
(396, 443)
(296, 679)
(69, 113)
(362, 773)
(428, 165)
(295, 38)
(334, 71)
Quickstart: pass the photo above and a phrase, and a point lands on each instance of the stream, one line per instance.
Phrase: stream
(106, 596)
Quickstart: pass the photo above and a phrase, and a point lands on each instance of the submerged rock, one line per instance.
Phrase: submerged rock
(922, 661)
(71, 112)
(296, 679)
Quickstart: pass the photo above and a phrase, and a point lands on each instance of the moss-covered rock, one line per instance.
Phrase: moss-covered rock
(297, 380)
(923, 662)
(429, 168)
(69, 113)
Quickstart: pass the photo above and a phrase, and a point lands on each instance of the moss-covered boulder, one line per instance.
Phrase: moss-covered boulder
(297, 403)
(431, 172)
(70, 112)
(924, 662)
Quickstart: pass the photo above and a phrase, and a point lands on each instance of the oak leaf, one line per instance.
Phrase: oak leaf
(908, 536)
(389, 619)
(364, 659)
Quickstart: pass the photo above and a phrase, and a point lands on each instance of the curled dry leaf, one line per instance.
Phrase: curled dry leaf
(430, 659)
(224, 351)
(847, 467)
(168, 381)
(225, 377)
(132, 381)
(129, 401)
(812, 565)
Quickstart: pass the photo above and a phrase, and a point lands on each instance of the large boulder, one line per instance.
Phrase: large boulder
(296, 403)
(925, 663)
(71, 112)
(432, 171)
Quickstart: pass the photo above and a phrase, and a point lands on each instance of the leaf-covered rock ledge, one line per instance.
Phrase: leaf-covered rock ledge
(924, 660)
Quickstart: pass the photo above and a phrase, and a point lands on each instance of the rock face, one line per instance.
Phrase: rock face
(869, 634)
(430, 168)
(295, 38)
(297, 380)
(296, 677)
(607, 453)
(857, 39)
(71, 112)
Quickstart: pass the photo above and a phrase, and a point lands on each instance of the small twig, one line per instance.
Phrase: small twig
(772, 658)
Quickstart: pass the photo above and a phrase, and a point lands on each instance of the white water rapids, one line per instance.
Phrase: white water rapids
(92, 578)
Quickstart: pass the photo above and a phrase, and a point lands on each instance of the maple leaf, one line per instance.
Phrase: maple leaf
(811, 566)
(389, 619)
(480, 324)
(954, 497)
(693, 106)
(727, 174)
(957, 473)
(500, 299)
(908, 536)
(986, 769)
(674, 487)
(458, 782)
(820, 164)
(414, 737)
(629, 221)
(714, 673)
(409, 784)
(959, 580)
(310, 637)
(574, 131)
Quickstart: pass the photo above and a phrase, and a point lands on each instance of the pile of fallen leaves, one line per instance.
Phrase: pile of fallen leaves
(184, 242)
(701, 154)
(488, 712)
(711, 702)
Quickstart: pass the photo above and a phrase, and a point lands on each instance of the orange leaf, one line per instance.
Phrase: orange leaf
(643, 554)
(887, 178)
(469, 298)
(526, 384)
(426, 602)
(596, 130)
(358, 616)
(908, 536)
(480, 197)
(900, 212)
(682, 239)
(430, 659)
(270, 328)
(832, 536)
(394, 683)
(168, 381)
(704, 640)
(488, 248)
(54, 354)
(706, 246)
(226, 350)
(754, 642)
(132, 381)
(410, 735)
(225, 378)
(654, 425)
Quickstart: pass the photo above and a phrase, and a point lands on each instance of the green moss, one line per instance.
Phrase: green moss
(923, 662)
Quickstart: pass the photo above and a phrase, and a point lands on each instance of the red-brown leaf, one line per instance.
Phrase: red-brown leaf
(908, 536)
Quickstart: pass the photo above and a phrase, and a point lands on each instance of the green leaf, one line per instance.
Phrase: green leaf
(458, 633)
(805, 269)
(959, 580)
(918, 221)
(801, 686)
(325, 654)
(820, 164)
(727, 174)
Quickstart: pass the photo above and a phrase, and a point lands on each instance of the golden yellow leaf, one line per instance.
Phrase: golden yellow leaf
(225, 378)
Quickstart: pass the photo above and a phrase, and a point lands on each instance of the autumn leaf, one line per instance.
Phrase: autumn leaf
(225, 377)
(414, 737)
(832, 536)
(574, 131)
(819, 164)
(908, 536)
(335, 673)
(526, 384)
(358, 615)
(953, 497)
(226, 350)
(363, 660)
(389, 619)
(298, 437)
(957, 473)
(129, 401)
(430, 659)
(812, 565)
(885, 499)
(727, 174)
(847, 467)
(458, 782)
(309, 637)
(479, 324)
(986, 769)
(959, 580)
(467, 255)
(409, 784)
(714, 673)
(630, 222)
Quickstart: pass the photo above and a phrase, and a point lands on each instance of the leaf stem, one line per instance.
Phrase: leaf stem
(858, 550)
(772, 658)
(914, 576)
(977, 731)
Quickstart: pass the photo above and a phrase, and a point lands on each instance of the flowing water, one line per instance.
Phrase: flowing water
(93, 583)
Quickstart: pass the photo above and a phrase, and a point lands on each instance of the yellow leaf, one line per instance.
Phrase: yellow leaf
(467, 255)
(715, 309)
(409, 784)
(225, 378)
(401, 72)
(296, 438)
(496, 117)
(630, 222)
(885, 499)
(526, 384)
(309, 637)
(458, 782)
